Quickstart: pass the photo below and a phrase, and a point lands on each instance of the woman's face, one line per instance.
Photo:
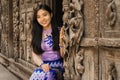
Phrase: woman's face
(44, 18)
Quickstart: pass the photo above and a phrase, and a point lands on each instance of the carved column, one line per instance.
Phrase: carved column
(29, 37)
(10, 30)
(15, 28)
(27, 29)
(73, 28)
(22, 40)
(5, 25)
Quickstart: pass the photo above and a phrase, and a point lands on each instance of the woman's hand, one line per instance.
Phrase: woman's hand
(61, 35)
(45, 67)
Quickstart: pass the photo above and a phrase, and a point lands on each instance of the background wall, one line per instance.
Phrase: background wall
(92, 37)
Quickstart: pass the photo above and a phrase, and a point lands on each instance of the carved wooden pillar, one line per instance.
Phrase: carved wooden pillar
(10, 30)
(27, 27)
(28, 41)
(15, 28)
(22, 39)
(5, 27)
(73, 27)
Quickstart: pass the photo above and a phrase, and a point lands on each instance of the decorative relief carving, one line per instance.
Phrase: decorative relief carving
(73, 29)
(79, 68)
(21, 2)
(111, 12)
(0, 18)
(6, 38)
(28, 1)
(112, 72)
(4, 21)
(22, 39)
(15, 28)
(38, 1)
(66, 18)
(28, 31)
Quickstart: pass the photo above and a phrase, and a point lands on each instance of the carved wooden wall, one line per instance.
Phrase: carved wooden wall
(92, 37)
(80, 21)
(109, 42)
(4, 27)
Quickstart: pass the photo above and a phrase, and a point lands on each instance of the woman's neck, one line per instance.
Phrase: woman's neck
(47, 28)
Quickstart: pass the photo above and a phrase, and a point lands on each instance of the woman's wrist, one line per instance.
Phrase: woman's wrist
(41, 65)
(60, 45)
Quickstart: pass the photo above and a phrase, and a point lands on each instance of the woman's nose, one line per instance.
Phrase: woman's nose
(42, 19)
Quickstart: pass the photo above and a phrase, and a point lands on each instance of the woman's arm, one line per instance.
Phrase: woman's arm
(61, 43)
(37, 59)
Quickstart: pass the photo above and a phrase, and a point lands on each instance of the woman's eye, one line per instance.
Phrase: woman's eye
(44, 14)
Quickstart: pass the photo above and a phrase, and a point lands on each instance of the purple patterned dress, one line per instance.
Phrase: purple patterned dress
(52, 58)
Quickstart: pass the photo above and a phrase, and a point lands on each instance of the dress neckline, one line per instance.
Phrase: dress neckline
(47, 31)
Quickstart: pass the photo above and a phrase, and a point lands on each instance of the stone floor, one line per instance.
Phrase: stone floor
(6, 75)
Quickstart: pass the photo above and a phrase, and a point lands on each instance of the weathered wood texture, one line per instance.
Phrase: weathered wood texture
(92, 37)
(109, 42)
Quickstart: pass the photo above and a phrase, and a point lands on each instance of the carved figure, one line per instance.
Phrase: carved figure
(21, 1)
(79, 68)
(22, 39)
(76, 23)
(28, 31)
(112, 72)
(79, 62)
(111, 12)
(15, 28)
(66, 18)
(0, 26)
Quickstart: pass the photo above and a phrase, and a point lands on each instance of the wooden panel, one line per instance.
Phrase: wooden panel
(109, 63)
(91, 17)
(90, 63)
(110, 18)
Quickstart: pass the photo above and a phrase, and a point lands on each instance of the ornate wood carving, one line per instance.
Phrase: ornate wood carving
(21, 2)
(109, 63)
(22, 39)
(5, 27)
(112, 72)
(111, 13)
(79, 67)
(28, 1)
(99, 20)
(1, 18)
(73, 28)
(28, 31)
(15, 28)
(110, 19)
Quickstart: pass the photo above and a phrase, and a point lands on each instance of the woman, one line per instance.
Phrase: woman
(45, 43)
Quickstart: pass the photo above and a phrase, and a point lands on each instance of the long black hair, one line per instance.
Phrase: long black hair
(37, 30)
